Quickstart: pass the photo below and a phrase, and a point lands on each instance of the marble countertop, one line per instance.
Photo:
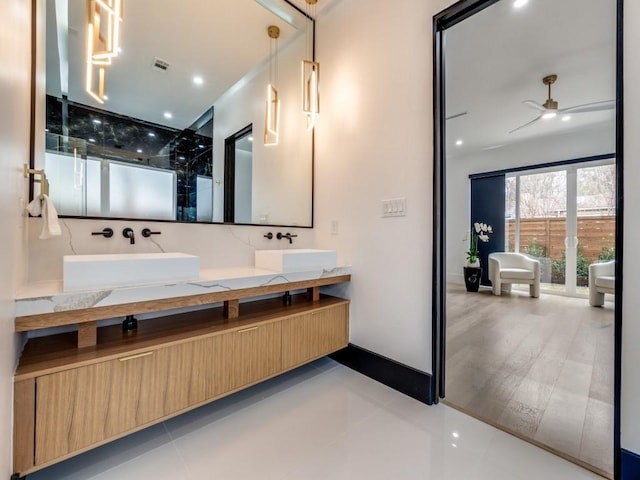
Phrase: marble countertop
(48, 297)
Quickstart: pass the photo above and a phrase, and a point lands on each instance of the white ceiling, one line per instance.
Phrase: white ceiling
(496, 59)
(220, 40)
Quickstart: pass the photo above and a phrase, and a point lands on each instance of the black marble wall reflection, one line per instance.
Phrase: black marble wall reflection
(106, 135)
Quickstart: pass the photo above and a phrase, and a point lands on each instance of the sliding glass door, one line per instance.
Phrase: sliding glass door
(596, 219)
(565, 218)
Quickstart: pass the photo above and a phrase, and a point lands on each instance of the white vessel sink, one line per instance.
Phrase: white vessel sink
(295, 260)
(91, 272)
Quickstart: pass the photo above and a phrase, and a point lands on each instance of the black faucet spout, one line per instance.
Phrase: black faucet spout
(288, 236)
(128, 233)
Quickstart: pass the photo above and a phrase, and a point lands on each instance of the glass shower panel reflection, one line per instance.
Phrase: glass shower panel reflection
(204, 198)
(141, 192)
(542, 208)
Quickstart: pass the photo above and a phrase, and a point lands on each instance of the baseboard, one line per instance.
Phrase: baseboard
(630, 465)
(403, 378)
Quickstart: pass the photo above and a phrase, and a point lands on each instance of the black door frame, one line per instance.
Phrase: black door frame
(442, 21)
(229, 208)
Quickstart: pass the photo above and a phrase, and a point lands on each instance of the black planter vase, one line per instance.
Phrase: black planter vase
(472, 277)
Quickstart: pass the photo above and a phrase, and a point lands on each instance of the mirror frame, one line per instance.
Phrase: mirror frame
(449, 17)
(36, 147)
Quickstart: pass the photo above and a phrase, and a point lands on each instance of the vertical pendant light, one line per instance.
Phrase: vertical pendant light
(272, 110)
(310, 70)
(103, 42)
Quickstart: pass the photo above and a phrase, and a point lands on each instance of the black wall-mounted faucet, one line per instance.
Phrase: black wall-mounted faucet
(128, 233)
(287, 235)
(268, 236)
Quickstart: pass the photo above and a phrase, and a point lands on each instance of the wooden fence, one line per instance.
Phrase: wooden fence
(595, 234)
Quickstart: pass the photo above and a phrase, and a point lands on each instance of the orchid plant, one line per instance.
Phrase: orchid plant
(481, 231)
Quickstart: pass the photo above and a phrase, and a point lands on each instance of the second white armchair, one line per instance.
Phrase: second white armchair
(602, 279)
(506, 268)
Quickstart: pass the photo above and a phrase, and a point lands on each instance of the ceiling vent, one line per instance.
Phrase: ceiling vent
(160, 64)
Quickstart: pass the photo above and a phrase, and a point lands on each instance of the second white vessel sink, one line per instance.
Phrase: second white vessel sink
(91, 272)
(296, 260)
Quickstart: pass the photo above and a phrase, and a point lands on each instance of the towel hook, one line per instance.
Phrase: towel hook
(44, 183)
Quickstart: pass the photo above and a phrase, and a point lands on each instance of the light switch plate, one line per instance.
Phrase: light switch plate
(394, 207)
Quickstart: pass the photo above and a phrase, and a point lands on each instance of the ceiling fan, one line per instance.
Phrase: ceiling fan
(549, 108)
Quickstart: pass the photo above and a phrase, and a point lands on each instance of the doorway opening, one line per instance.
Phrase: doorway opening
(545, 367)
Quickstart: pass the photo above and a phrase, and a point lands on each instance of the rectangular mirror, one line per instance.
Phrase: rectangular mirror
(144, 137)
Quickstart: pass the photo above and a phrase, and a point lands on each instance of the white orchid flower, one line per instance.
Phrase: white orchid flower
(483, 237)
(489, 229)
(478, 227)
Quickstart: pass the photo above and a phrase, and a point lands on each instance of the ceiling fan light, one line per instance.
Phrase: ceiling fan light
(549, 115)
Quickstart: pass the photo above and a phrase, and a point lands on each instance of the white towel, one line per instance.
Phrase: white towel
(43, 205)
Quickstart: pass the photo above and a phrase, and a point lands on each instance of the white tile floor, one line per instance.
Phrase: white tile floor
(321, 421)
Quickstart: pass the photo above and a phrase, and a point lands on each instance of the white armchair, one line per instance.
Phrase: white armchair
(506, 268)
(602, 279)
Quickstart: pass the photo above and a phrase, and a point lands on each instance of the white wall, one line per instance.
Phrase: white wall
(373, 143)
(631, 301)
(597, 140)
(14, 151)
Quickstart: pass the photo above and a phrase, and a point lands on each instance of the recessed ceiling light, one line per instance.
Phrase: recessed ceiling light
(459, 142)
(151, 134)
(520, 3)
(549, 115)
(139, 150)
(455, 434)
(566, 118)
(198, 80)
(454, 445)
(168, 115)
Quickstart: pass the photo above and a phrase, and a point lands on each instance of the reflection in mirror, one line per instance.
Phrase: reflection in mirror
(529, 148)
(155, 148)
(238, 167)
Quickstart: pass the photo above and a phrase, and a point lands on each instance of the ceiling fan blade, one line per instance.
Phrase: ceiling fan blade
(461, 114)
(526, 124)
(534, 105)
(591, 107)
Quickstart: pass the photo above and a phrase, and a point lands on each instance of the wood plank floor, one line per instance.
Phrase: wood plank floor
(541, 368)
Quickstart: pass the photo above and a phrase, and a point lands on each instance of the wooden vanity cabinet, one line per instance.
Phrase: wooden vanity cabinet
(310, 335)
(87, 405)
(256, 353)
(71, 400)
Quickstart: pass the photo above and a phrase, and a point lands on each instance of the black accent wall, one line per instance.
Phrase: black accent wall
(488, 206)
